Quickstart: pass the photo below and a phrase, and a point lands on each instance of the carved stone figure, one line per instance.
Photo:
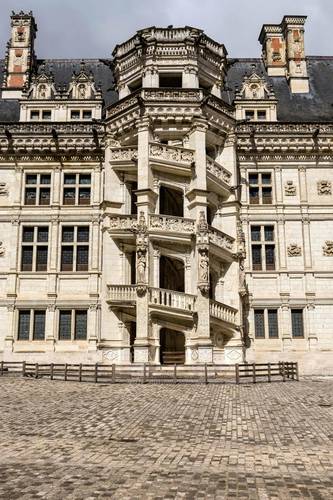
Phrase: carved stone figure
(328, 248)
(324, 187)
(204, 266)
(289, 188)
(3, 189)
(2, 249)
(294, 250)
(141, 265)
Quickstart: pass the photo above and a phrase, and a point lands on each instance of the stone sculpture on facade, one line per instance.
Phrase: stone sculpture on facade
(324, 187)
(289, 188)
(328, 248)
(294, 250)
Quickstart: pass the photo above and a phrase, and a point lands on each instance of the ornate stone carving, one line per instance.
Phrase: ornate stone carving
(141, 255)
(328, 248)
(294, 250)
(171, 153)
(170, 223)
(124, 154)
(3, 189)
(324, 187)
(128, 222)
(289, 188)
(218, 171)
(203, 281)
(221, 239)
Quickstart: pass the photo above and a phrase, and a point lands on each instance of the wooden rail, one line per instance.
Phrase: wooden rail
(256, 372)
(145, 373)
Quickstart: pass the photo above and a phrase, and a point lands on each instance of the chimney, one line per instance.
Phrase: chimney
(293, 30)
(283, 52)
(273, 49)
(20, 56)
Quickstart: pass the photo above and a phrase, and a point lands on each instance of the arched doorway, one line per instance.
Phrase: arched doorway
(171, 201)
(172, 347)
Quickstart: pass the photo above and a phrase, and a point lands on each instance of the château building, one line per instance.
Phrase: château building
(169, 204)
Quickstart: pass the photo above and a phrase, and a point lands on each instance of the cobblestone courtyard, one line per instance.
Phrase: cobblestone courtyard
(68, 440)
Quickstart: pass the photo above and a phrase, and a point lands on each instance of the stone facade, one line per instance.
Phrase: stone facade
(158, 224)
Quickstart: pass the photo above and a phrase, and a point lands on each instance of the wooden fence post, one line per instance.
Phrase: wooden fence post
(113, 373)
(36, 370)
(283, 372)
(297, 372)
(23, 369)
(175, 374)
(237, 373)
(144, 373)
(51, 371)
(254, 373)
(1, 368)
(269, 372)
(65, 372)
(80, 372)
(206, 374)
(96, 373)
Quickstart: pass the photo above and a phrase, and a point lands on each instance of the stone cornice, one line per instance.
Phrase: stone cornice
(284, 128)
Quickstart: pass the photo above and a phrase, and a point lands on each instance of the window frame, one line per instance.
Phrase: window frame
(260, 186)
(35, 244)
(266, 323)
(74, 245)
(32, 314)
(38, 186)
(41, 112)
(77, 187)
(80, 112)
(293, 310)
(73, 335)
(263, 243)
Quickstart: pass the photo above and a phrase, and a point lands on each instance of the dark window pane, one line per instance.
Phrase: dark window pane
(46, 115)
(69, 196)
(42, 234)
(39, 325)
(67, 258)
(30, 196)
(86, 115)
(83, 233)
(80, 325)
(85, 179)
(267, 196)
(249, 115)
(45, 179)
(270, 257)
(75, 115)
(41, 259)
(256, 257)
(70, 179)
(273, 330)
(254, 196)
(84, 196)
(27, 253)
(269, 233)
(82, 258)
(266, 178)
(253, 178)
(259, 323)
(28, 234)
(255, 233)
(44, 196)
(34, 115)
(65, 318)
(68, 233)
(261, 115)
(31, 179)
(23, 325)
(297, 323)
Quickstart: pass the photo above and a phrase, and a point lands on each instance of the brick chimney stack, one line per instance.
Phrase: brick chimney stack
(283, 51)
(20, 56)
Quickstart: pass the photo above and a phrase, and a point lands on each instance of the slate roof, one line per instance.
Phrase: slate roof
(317, 105)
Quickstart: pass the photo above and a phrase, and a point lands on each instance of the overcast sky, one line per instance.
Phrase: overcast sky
(91, 28)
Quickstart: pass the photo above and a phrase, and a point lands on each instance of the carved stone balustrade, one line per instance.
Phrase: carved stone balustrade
(171, 154)
(124, 158)
(218, 171)
(121, 293)
(222, 240)
(223, 312)
(171, 224)
(122, 226)
(171, 298)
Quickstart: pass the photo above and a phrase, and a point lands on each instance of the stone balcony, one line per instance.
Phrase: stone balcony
(170, 302)
(172, 159)
(124, 159)
(217, 173)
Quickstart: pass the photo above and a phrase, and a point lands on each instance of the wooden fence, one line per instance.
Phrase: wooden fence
(259, 372)
(145, 373)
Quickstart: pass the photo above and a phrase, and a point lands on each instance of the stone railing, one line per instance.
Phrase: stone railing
(123, 154)
(169, 223)
(122, 222)
(218, 171)
(171, 298)
(275, 127)
(122, 293)
(177, 95)
(223, 312)
(221, 239)
(170, 153)
(47, 128)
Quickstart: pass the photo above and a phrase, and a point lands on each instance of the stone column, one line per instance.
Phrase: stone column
(56, 191)
(197, 195)
(190, 77)
(278, 185)
(306, 242)
(96, 186)
(10, 334)
(93, 326)
(13, 247)
(303, 195)
(281, 242)
(285, 325)
(54, 250)
(18, 187)
(50, 327)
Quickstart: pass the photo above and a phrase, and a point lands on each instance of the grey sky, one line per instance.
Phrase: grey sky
(91, 28)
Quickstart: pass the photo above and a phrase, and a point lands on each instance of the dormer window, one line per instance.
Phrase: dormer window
(261, 114)
(255, 114)
(170, 80)
(46, 114)
(75, 114)
(37, 114)
(81, 114)
(249, 114)
(34, 115)
(86, 114)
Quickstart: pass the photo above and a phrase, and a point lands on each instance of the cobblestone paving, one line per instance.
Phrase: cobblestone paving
(69, 441)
